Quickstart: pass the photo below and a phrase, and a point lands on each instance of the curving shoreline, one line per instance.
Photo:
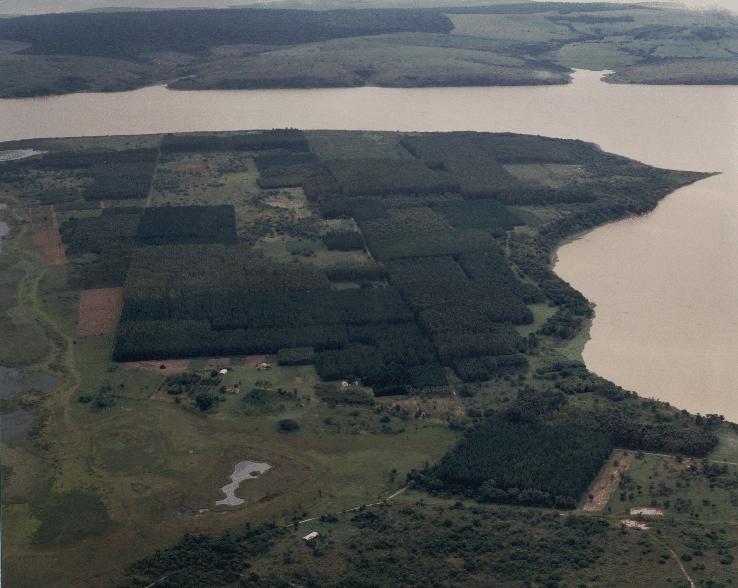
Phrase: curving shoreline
(669, 127)
(664, 345)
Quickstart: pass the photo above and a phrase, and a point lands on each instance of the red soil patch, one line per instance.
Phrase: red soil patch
(45, 227)
(606, 481)
(99, 310)
(171, 366)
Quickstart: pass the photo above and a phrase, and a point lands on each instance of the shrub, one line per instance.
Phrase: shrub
(288, 426)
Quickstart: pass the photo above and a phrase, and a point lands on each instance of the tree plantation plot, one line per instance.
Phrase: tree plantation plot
(187, 224)
(453, 274)
(522, 463)
(362, 311)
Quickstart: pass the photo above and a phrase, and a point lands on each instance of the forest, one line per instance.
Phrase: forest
(134, 34)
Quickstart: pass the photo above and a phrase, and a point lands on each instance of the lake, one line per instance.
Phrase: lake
(665, 285)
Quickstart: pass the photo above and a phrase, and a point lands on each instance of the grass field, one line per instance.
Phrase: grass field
(679, 488)
(679, 71)
(392, 61)
(136, 475)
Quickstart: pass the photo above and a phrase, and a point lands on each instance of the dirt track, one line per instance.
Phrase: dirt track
(606, 481)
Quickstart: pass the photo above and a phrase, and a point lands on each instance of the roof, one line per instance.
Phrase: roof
(311, 536)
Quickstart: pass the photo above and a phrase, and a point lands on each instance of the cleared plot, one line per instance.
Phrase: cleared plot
(46, 234)
(679, 487)
(99, 310)
(342, 145)
(552, 175)
(607, 481)
(170, 366)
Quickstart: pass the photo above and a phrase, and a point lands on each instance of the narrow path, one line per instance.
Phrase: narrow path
(153, 176)
(60, 358)
(354, 509)
(707, 460)
(686, 575)
(155, 582)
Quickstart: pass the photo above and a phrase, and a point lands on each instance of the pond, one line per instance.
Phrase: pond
(244, 470)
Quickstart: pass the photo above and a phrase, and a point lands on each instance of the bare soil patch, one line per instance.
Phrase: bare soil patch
(217, 363)
(606, 482)
(631, 524)
(45, 235)
(171, 366)
(255, 360)
(99, 310)
(646, 512)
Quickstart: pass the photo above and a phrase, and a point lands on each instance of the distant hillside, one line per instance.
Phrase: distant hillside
(393, 43)
(27, 7)
(130, 34)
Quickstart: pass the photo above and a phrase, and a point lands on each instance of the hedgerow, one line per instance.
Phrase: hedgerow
(282, 139)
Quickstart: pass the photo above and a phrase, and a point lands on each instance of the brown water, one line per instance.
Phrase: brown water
(665, 285)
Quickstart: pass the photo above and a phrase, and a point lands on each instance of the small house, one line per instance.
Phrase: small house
(311, 536)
